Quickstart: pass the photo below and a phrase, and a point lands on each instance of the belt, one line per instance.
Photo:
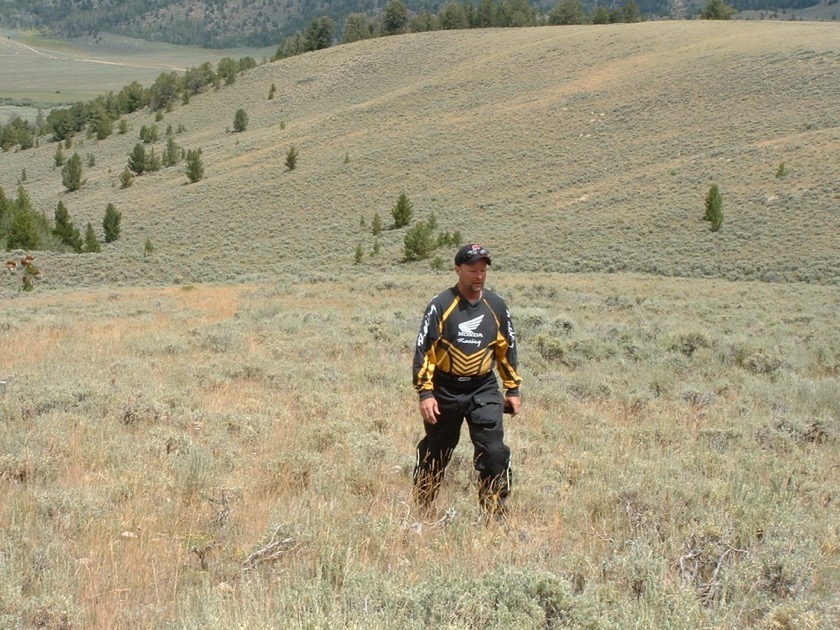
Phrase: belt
(455, 378)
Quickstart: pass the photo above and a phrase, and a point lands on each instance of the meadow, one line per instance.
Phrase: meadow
(222, 434)
(240, 456)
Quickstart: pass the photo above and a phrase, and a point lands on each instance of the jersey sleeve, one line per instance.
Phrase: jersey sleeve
(423, 366)
(506, 354)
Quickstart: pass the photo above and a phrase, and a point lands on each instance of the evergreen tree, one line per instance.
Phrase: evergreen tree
(91, 242)
(195, 167)
(357, 27)
(271, 92)
(402, 211)
(153, 162)
(227, 69)
(453, 16)
(59, 158)
(172, 153)
(714, 208)
(601, 15)
(71, 174)
(717, 10)
(360, 254)
(148, 248)
(64, 229)
(319, 34)
(111, 223)
(164, 91)
(395, 19)
(137, 159)
(376, 224)
(630, 12)
(240, 120)
(5, 216)
(23, 231)
(566, 12)
(418, 242)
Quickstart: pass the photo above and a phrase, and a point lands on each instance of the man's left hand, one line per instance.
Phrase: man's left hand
(513, 404)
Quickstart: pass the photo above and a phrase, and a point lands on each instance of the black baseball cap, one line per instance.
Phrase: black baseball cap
(471, 254)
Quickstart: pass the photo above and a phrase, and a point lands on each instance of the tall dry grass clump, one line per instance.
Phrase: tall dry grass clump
(215, 457)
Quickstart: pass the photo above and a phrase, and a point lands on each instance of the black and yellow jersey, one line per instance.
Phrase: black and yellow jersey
(461, 339)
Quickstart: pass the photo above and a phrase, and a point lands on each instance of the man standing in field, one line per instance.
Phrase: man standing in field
(466, 332)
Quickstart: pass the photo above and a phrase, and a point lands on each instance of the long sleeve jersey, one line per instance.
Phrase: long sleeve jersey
(463, 339)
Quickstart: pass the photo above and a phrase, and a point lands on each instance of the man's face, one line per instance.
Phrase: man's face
(471, 277)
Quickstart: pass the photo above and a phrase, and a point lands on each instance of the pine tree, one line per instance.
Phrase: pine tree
(717, 10)
(714, 208)
(64, 229)
(418, 241)
(5, 216)
(23, 232)
(395, 19)
(195, 167)
(272, 91)
(402, 211)
(58, 158)
(111, 223)
(240, 120)
(172, 153)
(137, 159)
(71, 174)
(91, 242)
(360, 254)
(376, 225)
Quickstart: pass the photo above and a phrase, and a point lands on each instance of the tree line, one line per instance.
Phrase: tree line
(259, 23)
(24, 227)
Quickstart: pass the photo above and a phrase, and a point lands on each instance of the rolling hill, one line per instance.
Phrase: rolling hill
(586, 149)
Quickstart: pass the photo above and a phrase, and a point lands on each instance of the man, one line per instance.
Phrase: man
(466, 332)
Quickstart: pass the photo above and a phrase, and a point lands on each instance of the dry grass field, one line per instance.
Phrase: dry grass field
(221, 434)
(46, 70)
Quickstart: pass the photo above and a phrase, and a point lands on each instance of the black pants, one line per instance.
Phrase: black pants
(480, 403)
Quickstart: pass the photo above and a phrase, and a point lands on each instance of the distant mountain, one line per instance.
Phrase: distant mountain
(258, 23)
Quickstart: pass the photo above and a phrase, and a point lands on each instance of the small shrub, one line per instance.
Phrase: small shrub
(291, 159)
(126, 178)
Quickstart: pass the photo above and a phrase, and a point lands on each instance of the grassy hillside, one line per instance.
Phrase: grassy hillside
(221, 434)
(564, 149)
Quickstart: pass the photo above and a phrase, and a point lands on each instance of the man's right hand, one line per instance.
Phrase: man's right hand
(429, 410)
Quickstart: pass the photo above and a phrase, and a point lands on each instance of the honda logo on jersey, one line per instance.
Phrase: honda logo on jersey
(467, 329)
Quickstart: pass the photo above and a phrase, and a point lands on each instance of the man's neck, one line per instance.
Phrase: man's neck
(471, 296)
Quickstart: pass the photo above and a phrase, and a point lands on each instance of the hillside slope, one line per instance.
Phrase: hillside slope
(561, 148)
